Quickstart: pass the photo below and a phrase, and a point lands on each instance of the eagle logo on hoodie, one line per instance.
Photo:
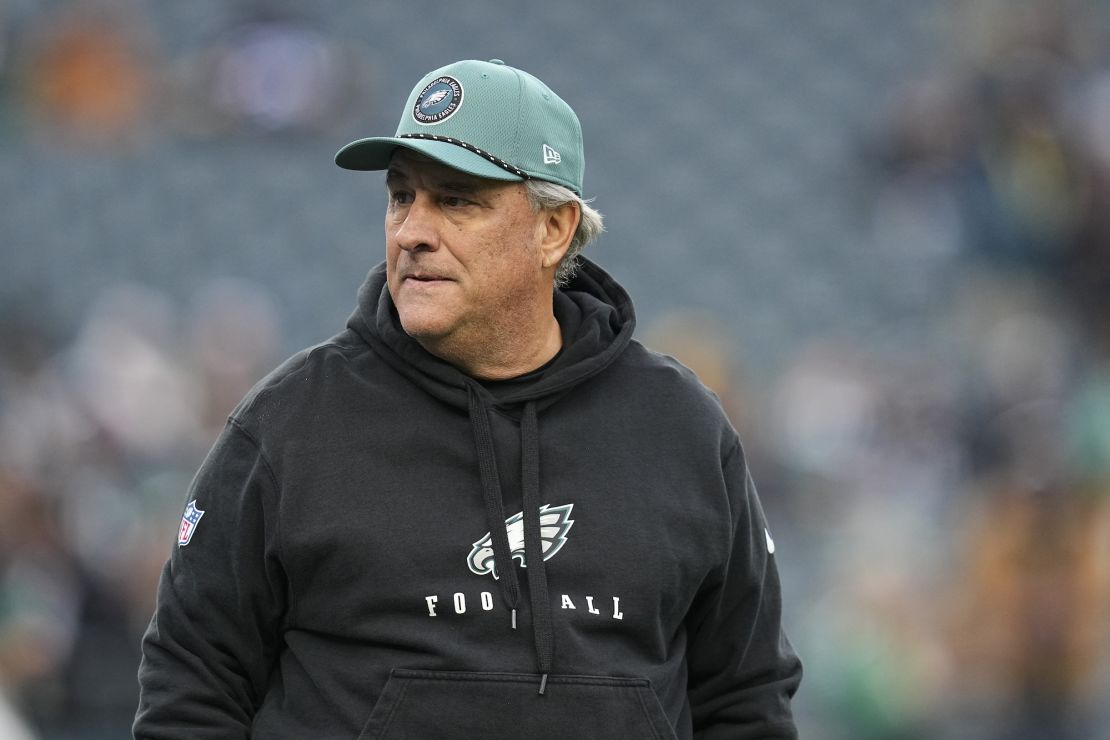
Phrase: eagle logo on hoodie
(555, 522)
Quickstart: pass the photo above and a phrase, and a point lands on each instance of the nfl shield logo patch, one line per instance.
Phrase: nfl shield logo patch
(189, 521)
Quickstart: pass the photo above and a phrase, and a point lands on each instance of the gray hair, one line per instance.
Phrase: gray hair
(543, 194)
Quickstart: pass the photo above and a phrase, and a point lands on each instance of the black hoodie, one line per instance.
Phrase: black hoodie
(340, 572)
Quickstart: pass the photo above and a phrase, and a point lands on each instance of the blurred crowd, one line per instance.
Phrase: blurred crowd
(948, 492)
(97, 74)
(98, 441)
(942, 497)
(980, 461)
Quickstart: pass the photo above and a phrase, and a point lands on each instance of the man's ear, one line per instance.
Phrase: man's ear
(558, 227)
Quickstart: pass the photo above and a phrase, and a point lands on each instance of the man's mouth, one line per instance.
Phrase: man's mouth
(425, 277)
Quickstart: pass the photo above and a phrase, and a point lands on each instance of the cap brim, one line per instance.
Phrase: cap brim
(375, 153)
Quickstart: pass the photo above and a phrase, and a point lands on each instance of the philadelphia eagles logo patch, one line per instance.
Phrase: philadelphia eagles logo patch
(439, 99)
(555, 522)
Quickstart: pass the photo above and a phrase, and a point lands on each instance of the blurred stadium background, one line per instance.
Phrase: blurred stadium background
(880, 230)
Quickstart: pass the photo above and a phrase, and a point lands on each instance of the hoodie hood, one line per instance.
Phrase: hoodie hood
(596, 320)
(595, 315)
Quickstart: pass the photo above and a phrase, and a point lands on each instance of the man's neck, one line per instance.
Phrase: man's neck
(502, 357)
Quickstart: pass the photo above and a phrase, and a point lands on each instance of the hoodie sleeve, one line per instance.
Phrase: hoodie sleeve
(743, 671)
(208, 651)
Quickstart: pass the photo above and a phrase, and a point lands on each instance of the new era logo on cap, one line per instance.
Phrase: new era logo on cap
(550, 156)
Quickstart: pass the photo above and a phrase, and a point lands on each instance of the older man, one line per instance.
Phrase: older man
(483, 509)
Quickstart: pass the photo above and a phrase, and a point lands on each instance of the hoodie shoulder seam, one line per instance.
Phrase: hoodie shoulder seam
(282, 372)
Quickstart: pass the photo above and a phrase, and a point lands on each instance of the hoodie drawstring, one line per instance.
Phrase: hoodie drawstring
(533, 544)
(536, 570)
(495, 508)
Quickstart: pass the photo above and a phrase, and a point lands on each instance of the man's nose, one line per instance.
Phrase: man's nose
(418, 229)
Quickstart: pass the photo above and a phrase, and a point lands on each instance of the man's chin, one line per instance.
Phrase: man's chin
(423, 328)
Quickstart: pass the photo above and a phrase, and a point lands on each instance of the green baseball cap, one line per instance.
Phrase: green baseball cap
(485, 118)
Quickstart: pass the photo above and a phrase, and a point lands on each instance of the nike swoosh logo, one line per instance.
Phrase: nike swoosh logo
(770, 542)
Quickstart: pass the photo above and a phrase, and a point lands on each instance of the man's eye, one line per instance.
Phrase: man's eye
(453, 201)
(400, 198)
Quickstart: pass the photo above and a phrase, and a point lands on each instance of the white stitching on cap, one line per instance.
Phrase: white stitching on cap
(470, 147)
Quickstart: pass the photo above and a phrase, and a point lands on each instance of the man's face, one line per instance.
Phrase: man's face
(463, 253)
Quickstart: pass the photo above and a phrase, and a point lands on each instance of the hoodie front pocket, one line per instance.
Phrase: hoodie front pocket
(417, 705)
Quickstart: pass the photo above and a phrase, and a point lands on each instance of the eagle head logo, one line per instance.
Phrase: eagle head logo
(434, 98)
(555, 522)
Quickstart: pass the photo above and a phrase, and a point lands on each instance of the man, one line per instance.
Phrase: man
(483, 510)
